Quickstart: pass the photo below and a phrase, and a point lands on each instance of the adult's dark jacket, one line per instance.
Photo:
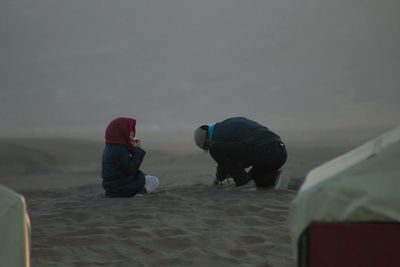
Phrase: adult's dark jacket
(120, 170)
(237, 143)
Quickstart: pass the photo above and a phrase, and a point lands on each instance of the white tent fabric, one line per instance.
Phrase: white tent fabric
(14, 230)
(362, 185)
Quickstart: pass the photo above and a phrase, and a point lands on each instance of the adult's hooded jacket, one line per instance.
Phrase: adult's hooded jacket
(235, 144)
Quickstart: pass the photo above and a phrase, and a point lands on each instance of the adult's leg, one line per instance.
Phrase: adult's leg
(264, 177)
(269, 160)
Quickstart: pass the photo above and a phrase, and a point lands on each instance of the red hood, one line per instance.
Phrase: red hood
(117, 132)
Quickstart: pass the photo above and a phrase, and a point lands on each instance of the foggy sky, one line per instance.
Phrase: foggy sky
(69, 67)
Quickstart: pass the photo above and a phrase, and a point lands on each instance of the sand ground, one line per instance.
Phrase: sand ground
(187, 222)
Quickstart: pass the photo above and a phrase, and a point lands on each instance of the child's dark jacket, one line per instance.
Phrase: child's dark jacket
(120, 170)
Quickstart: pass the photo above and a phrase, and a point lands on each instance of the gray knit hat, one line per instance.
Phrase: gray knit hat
(200, 136)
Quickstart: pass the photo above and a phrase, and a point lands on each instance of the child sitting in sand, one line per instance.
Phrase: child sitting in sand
(122, 157)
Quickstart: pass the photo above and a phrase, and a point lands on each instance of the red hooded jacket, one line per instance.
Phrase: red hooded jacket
(121, 161)
(118, 131)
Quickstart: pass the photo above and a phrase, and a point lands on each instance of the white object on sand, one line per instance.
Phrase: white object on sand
(151, 183)
(283, 183)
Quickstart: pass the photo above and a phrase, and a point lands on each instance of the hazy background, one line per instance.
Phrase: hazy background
(304, 68)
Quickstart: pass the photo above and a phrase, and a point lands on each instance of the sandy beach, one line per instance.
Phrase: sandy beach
(323, 75)
(187, 222)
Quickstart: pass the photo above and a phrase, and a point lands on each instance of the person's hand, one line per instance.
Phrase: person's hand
(217, 182)
(136, 142)
(221, 182)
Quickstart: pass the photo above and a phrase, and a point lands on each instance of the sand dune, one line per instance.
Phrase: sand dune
(194, 225)
(188, 222)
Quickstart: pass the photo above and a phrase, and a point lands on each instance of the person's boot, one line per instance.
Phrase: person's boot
(268, 180)
(242, 178)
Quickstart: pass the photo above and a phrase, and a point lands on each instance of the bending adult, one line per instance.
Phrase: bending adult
(239, 143)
